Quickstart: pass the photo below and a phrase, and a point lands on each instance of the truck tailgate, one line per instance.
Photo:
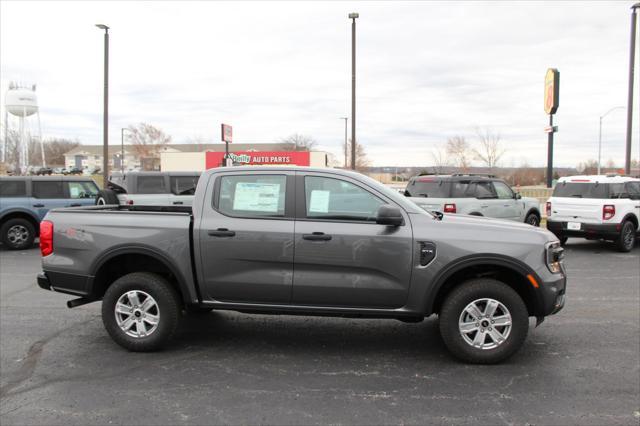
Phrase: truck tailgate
(584, 210)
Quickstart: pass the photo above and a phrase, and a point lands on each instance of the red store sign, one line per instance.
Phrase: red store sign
(298, 158)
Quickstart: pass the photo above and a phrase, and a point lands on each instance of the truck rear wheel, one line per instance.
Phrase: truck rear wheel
(140, 311)
(17, 234)
(483, 321)
(627, 238)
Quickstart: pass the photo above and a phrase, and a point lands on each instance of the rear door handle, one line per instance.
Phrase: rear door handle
(221, 232)
(316, 236)
(38, 205)
(178, 202)
(75, 205)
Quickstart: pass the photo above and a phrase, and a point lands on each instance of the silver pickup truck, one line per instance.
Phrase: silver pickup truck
(472, 194)
(304, 241)
(149, 188)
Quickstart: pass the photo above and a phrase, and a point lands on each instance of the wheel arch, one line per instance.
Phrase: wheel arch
(21, 214)
(507, 270)
(122, 261)
(534, 210)
(632, 218)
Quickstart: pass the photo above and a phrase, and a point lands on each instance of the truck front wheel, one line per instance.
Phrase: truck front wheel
(140, 311)
(483, 321)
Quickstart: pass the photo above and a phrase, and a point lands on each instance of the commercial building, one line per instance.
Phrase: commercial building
(198, 157)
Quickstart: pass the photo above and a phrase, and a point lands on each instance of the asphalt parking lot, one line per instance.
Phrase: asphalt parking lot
(581, 366)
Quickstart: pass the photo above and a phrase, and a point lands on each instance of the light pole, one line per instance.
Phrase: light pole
(600, 134)
(353, 17)
(105, 114)
(346, 143)
(632, 51)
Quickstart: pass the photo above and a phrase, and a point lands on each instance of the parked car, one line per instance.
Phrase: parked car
(150, 188)
(596, 207)
(74, 171)
(308, 241)
(41, 171)
(25, 200)
(471, 194)
(60, 171)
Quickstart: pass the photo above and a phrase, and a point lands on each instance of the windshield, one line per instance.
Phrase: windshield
(581, 190)
(427, 187)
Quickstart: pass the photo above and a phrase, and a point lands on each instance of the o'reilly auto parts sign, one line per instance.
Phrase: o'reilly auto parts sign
(298, 158)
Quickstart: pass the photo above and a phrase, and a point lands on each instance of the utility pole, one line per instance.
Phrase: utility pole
(105, 114)
(353, 17)
(346, 142)
(632, 52)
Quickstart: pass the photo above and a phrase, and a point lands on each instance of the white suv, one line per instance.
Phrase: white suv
(596, 207)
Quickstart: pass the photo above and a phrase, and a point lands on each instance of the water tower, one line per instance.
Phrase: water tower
(21, 101)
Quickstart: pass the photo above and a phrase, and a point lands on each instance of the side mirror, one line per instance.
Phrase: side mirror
(517, 196)
(389, 215)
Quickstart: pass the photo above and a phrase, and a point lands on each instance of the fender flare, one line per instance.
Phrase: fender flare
(481, 259)
(533, 210)
(183, 285)
(20, 210)
(632, 217)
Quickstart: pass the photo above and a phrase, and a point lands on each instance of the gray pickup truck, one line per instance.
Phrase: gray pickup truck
(304, 241)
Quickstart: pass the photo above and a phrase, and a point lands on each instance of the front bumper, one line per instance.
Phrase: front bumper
(595, 231)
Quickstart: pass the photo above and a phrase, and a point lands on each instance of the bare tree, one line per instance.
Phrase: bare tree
(298, 142)
(460, 152)
(490, 151)
(440, 160)
(362, 161)
(589, 167)
(147, 140)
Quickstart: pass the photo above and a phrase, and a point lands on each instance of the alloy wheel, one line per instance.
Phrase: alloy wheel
(485, 323)
(137, 313)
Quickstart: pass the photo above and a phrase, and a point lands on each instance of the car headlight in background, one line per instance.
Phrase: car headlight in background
(554, 254)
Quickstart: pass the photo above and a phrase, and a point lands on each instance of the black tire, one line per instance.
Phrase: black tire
(474, 290)
(17, 234)
(532, 219)
(627, 238)
(106, 196)
(168, 311)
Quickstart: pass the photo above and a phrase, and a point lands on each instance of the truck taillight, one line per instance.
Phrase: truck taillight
(608, 211)
(46, 238)
(449, 208)
(548, 208)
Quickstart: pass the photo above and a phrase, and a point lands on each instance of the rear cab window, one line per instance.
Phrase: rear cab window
(13, 188)
(183, 185)
(151, 185)
(252, 195)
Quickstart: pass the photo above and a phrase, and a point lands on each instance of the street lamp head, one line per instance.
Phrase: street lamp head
(102, 27)
(635, 6)
(354, 15)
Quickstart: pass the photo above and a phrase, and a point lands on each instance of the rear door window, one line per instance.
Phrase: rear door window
(633, 188)
(581, 190)
(460, 189)
(428, 187)
(47, 189)
(13, 188)
(183, 185)
(252, 195)
(151, 185)
(483, 190)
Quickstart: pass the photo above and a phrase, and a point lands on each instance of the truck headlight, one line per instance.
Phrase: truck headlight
(554, 254)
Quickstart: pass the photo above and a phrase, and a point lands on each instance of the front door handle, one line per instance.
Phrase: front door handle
(221, 232)
(484, 207)
(178, 202)
(316, 236)
(38, 205)
(75, 205)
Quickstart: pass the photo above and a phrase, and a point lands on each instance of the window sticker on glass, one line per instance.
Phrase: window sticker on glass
(319, 202)
(260, 197)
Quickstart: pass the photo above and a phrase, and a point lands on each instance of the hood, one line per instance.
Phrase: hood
(491, 227)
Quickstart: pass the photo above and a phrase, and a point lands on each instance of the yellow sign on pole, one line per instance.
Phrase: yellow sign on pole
(551, 91)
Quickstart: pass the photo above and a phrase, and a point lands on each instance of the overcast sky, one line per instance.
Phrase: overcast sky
(426, 71)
